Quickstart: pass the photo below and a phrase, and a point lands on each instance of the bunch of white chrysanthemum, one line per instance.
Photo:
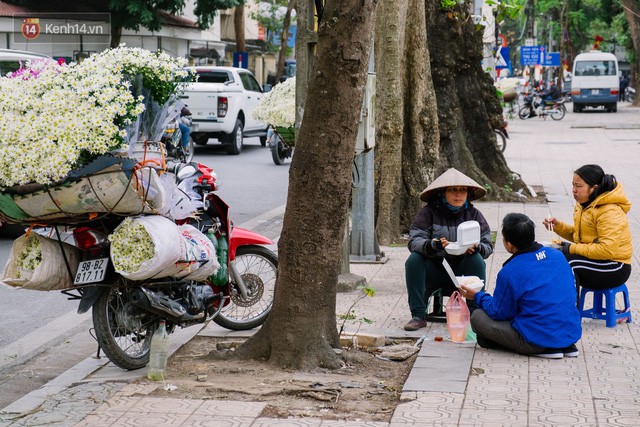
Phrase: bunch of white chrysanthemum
(278, 107)
(57, 117)
(131, 245)
(30, 257)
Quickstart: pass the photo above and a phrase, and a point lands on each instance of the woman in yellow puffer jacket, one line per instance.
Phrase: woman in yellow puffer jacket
(600, 250)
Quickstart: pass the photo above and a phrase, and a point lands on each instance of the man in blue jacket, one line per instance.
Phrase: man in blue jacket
(533, 310)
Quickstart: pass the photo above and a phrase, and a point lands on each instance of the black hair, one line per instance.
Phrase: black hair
(518, 229)
(594, 175)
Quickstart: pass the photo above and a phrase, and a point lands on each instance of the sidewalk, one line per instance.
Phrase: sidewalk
(450, 384)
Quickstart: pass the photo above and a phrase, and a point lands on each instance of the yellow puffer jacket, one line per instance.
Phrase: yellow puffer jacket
(601, 230)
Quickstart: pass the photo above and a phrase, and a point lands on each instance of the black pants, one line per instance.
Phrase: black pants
(598, 274)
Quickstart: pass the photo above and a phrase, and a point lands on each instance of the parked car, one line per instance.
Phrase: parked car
(11, 60)
(221, 103)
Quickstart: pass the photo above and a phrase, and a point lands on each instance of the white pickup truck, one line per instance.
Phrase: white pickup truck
(221, 103)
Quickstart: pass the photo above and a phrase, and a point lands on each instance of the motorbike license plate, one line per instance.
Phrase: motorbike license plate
(91, 271)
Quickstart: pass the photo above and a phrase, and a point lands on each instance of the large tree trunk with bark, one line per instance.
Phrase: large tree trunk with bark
(632, 13)
(468, 106)
(436, 109)
(407, 138)
(283, 40)
(238, 28)
(301, 330)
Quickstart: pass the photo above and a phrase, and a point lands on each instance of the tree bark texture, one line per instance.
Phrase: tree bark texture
(632, 13)
(238, 27)
(301, 330)
(283, 40)
(407, 123)
(468, 106)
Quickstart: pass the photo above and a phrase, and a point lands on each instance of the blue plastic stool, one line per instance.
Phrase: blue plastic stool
(608, 312)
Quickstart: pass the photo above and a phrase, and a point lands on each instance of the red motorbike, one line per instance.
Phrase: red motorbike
(127, 312)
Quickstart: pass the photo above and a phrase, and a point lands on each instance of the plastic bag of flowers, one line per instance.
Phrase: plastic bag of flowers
(36, 262)
(43, 139)
(153, 246)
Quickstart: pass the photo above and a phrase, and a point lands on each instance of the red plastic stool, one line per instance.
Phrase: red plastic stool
(607, 312)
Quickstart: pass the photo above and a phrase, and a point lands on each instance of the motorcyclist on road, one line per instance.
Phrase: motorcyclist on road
(550, 94)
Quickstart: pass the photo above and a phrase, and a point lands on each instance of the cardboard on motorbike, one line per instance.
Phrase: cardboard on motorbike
(109, 190)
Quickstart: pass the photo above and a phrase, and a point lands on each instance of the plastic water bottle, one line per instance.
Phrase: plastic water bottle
(222, 251)
(159, 353)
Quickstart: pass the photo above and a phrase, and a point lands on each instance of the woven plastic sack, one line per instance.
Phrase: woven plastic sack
(50, 274)
(199, 260)
(176, 251)
(458, 318)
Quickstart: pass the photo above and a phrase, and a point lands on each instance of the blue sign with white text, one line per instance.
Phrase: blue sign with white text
(552, 59)
(532, 55)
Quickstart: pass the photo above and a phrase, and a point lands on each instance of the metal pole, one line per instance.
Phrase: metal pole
(364, 242)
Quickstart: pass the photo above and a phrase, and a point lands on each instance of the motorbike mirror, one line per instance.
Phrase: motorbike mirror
(186, 172)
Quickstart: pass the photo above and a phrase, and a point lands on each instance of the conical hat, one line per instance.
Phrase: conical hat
(454, 178)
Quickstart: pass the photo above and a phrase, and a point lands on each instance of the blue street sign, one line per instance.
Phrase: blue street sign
(552, 59)
(532, 55)
(502, 58)
(241, 59)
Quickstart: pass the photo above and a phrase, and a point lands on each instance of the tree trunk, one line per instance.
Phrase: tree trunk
(116, 36)
(468, 106)
(301, 330)
(632, 13)
(283, 40)
(436, 109)
(407, 123)
(238, 27)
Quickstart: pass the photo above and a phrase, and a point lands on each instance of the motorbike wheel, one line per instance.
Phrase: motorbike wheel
(123, 333)
(276, 154)
(501, 140)
(524, 112)
(257, 266)
(559, 115)
(187, 152)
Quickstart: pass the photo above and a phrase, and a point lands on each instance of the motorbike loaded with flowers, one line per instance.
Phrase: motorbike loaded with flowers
(113, 222)
(278, 108)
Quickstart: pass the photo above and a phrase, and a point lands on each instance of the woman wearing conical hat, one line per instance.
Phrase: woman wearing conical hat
(448, 205)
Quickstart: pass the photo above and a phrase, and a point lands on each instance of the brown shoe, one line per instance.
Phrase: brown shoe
(415, 324)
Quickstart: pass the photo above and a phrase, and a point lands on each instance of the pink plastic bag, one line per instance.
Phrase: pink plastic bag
(458, 318)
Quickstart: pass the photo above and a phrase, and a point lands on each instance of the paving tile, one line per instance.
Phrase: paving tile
(151, 419)
(165, 405)
(434, 409)
(231, 408)
(289, 422)
(198, 420)
(505, 416)
(102, 418)
(353, 423)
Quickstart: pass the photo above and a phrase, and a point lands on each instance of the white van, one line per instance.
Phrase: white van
(595, 81)
(11, 60)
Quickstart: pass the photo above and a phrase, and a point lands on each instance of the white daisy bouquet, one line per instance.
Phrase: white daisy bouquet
(278, 108)
(30, 257)
(131, 246)
(57, 117)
